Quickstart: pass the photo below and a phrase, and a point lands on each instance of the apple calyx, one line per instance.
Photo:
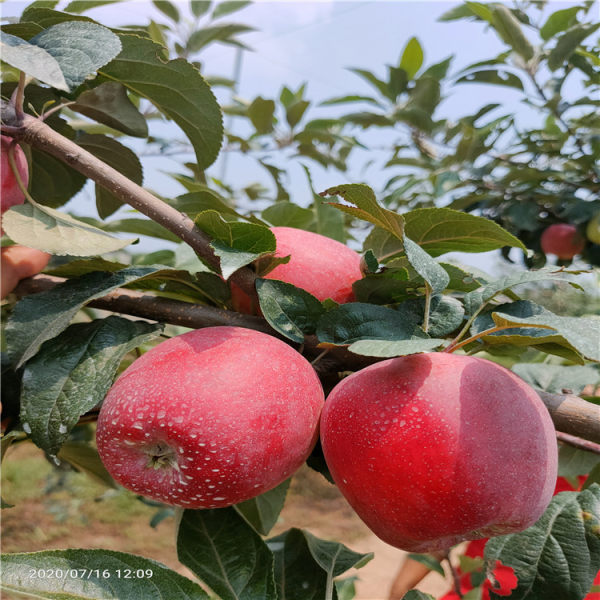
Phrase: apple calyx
(161, 456)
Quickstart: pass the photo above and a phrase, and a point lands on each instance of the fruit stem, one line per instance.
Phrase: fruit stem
(427, 307)
(455, 576)
(15, 170)
(455, 346)
(320, 356)
(19, 96)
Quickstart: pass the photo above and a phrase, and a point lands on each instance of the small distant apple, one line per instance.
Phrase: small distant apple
(210, 418)
(562, 240)
(320, 265)
(592, 231)
(434, 449)
(10, 193)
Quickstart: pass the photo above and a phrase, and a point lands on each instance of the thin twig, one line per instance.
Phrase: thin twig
(455, 576)
(577, 442)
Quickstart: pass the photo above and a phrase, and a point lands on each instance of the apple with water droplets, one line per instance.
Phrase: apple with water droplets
(433, 449)
(10, 193)
(318, 264)
(210, 418)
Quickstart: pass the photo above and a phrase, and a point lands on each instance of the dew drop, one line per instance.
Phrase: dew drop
(26, 428)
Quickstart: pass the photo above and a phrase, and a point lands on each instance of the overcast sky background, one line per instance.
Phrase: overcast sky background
(316, 42)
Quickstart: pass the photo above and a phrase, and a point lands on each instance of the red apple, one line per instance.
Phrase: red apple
(210, 418)
(320, 265)
(563, 240)
(18, 262)
(10, 194)
(433, 449)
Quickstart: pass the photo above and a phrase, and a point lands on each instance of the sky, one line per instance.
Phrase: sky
(316, 42)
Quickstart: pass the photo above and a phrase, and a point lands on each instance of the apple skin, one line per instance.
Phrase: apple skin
(10, 194)
(592, 230)
(433, 449)
(210, 418)
(562, 240)
(320, 265)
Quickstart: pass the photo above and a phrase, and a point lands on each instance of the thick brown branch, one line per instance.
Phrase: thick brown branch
(574, 416)
(36, 133)
(571, 415)
(140, 304)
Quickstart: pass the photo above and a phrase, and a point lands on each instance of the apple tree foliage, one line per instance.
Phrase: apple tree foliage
(483, 182)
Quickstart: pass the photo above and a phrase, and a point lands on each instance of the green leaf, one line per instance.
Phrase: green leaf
(100, 567)
(236, 244)
(139, 227)
(42, 316)
(263, 511)
(477, 298)
(291, 311)
(226, 554)
(176, 88)
(43, 16)
(412, 57)
(79, 6)
(351, 98)
(200, 7)
(85, 458)
(217, 33)
(356, 321)
(567, 44)
(295, 111)
(228, 7)
(536, 326)
(305, 565)
(480, 9)
(573, 462)
(559, 21)
(378, 84)
(429, 561)
(80, 48)
(441, 230)
(168, 9)
(72, 373)
(509, 29)
(389, 349)
(334, 558)
(493, 76)
(329, 221)
(52, 181)
(46, 229)
(261, 113)
(33, 60)
(110, 105)
(559, 556)
(556, 378)
(415, 594)
(117, 156)
(430, 270)
(462, 11)
(288, 214)
(445, 314)
(199, 201)
(579, 333)
(365, 207)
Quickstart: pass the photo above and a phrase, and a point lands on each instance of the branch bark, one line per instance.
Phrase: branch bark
(37, 134)
(570, 414)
